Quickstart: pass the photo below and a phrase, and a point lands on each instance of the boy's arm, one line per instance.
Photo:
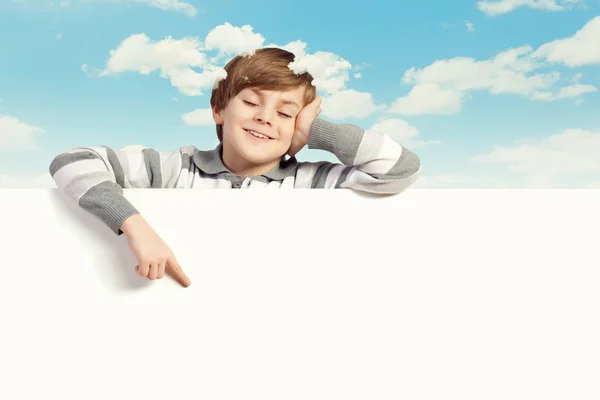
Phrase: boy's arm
(372, 161)
(94, 178)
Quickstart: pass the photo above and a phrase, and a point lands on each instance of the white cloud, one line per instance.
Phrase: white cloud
(200, 116)
(583, 48)
(565, 92)
(179, 60)
(330, 71)
(166, 5)
(567, 160)
(577, 77)
(470, 26)
(233, 40)
(504, 73)
(173, 58)
(349, 104)
(297, 47)
(428, 98)
(441, 87)
(16, 135)
(42, 181)
(500, 7)
(138, 53)
(402, 132)
(573, 151)
(170, 5)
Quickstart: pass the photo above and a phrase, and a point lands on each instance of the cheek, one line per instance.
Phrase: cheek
(287, 130)
(235, 118)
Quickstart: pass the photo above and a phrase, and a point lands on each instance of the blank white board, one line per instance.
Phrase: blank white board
(430, 294)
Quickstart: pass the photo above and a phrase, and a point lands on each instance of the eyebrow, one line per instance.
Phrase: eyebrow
(284, 101)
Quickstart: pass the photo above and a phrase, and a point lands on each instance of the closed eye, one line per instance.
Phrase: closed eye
(254, 105)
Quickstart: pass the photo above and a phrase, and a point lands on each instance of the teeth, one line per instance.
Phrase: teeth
(258, 135)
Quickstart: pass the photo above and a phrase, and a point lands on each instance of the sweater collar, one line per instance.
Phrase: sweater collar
(211, 162)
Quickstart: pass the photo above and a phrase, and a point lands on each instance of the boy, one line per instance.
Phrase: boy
(263, 111)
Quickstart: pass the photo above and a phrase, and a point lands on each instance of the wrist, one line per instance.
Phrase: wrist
(323, 135)
(132, 223)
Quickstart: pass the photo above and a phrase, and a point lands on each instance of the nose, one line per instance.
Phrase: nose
(263, 116)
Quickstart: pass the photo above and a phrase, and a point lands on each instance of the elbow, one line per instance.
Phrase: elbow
(405, 174)
(68, 157)
(400, 177)
(398, 186)
(54, 165)
(71, 156)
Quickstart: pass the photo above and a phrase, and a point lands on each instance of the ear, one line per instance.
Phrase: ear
(217, 116)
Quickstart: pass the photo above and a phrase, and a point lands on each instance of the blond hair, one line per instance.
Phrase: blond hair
(267, 69)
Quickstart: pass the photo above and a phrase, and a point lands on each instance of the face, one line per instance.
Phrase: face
(258, 126)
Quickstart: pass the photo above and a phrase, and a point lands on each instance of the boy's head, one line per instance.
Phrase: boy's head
(260, 94)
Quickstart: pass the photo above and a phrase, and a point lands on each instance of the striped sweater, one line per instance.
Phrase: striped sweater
(94, 177)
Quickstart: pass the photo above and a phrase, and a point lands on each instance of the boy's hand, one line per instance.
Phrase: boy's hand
(154, 256)
(304, 121)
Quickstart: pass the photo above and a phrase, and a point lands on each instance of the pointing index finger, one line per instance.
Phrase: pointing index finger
(174, 270)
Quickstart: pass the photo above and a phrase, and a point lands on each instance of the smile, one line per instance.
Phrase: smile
(258, 135)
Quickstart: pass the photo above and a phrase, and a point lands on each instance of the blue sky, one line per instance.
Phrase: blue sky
(496, 94)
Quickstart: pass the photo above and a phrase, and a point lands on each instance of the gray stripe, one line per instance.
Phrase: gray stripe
(343, 176)
(153, 167)
(324, 136)
(405, 167)
(186, 161)
(320, 177)
(106, 201)
(64, 159)
(116, 166)
(346, 150)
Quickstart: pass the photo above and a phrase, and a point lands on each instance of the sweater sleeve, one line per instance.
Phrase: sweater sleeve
(371, 161)
(94, 178)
